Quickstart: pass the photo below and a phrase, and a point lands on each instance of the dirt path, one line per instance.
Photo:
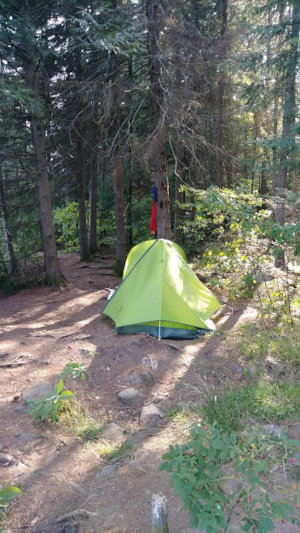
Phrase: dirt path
(40, 331)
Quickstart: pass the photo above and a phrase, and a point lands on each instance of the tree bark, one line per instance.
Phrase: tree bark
(289, 115)
(289, 108)
(83, 241)
(220, 99)
(53, 271)
(12, 262)
(155, 17)
(92, 236)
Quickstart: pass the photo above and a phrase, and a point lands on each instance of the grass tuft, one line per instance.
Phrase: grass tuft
(75, 420)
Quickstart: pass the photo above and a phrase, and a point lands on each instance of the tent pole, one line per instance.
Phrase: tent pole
(159, 331)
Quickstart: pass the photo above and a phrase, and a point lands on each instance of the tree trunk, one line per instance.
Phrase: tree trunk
(117, 167)
(274, 149)
(289, 107)
(220, 99)
(12, 262)
(159, 514)
(92, 237)
(289, 115)
(53, 271)
(155, 12)
(83, 241)
(119, 210)
(129, 173)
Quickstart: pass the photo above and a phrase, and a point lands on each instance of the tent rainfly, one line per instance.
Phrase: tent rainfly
(161, 295)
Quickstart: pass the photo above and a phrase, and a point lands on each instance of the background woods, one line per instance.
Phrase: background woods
(101, 101)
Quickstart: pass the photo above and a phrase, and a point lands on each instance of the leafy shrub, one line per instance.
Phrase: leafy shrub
(48, 406)
(74, 370)
(218, 476)
(218, 211)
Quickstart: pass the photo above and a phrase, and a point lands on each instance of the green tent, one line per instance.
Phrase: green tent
(161, 295)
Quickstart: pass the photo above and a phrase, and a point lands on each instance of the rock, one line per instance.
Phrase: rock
(147, 378)
(296, 458)
(21, 408)
(28, 437)
(84, 353)
(130, 396)
(68, 527)
(238, 369)
(7, 460)
(114, 433)
(107, 472)
(150, 415)
(77, 514)
(293, 466)
(37, 391)
(149, 362)
(273, 431)
(77, 487)
(133, 379)
(142, 461)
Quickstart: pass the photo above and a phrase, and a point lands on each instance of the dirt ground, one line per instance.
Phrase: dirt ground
(41, 329)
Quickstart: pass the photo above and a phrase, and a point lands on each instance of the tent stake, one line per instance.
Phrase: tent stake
(159, 331)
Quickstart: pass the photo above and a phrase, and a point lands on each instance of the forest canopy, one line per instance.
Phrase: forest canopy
(102, 101)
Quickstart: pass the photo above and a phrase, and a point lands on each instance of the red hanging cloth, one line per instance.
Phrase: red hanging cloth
(153, 219)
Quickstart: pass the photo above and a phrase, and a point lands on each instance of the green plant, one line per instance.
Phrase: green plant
(112, 453)
(223, 411)
(74, 419)
(48, 406)
(74, 370)
(270, 400)
(219, 476)
(6, 495)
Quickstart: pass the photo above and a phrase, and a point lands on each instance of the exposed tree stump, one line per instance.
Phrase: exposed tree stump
(159, 514)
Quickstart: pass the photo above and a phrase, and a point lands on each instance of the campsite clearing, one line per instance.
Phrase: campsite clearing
(104, 469)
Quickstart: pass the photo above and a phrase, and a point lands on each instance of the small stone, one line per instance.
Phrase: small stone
(114, 433)
(273, 431)
(37, 391)
(238, 369)
(158, 400)
(7, 460)
(133, 379)
(296, 458)
(84, 353)
(77, 487)
(149, 362)
(21, 408)
(107, 472)
(68, 527)
(148, 378)
(130, 396)
(150, 415)
(28, 437)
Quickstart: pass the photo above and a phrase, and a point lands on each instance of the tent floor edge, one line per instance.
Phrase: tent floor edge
(165, 332)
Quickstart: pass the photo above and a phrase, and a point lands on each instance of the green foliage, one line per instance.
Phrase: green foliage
(270, 400)
(218, 211)
(218, 475)
(48, 406)
(141, 214)
(280, 341)
(283, 236)
(113, 453)
(74, 370)
(7, 494)
(75, 420)
(223, 411)
(66, 224)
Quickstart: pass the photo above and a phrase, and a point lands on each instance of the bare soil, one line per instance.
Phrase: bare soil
(43, 328)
